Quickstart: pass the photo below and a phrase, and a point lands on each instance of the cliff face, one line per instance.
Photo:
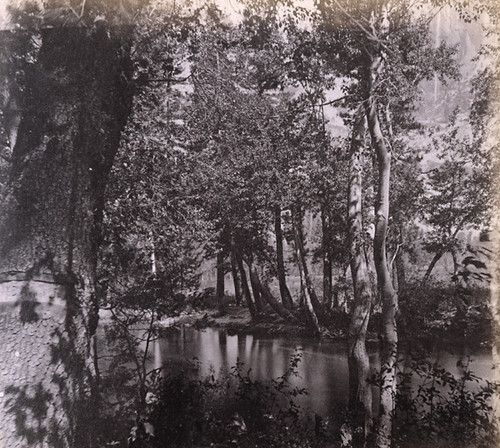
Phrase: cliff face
(440, 100)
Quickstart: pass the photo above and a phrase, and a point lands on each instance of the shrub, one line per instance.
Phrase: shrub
(435, 407)
(438, 312)
(229, 410)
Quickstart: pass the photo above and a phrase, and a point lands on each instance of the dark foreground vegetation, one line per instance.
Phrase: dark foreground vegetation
(235, 410)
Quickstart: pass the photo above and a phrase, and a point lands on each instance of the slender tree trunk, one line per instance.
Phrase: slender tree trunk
(370, 258)
(302, 300)
(259, 305)
(456, 264)
(299, 241)
(399, 267)
(360, 394)
(286, 297)
(236, 280)
(77, 102)
(327, 258)
(400, 271)
(440, 253)
(268, 297)
(304, 275)
(245, 288)
(432, 265)
(220, 284)
(389, 337)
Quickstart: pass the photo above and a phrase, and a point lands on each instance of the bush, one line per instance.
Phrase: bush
(438, 409)
(229, 410)
(438, 312)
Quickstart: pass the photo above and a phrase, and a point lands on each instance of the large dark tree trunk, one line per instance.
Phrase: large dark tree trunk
(389, 336)
(360, 394)
(286, 297)
(77, 102)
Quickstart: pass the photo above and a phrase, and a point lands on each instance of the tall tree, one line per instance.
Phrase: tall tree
(383, 65)
(76, 100)
(360, 395)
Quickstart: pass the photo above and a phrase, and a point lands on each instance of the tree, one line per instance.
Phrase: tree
(360, 395)
(225, 150)
(76, 99)
(459, 192)
(383, 64)
(407, 191)
(240, 145)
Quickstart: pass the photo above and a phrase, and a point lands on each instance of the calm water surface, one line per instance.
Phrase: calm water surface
(322, 371)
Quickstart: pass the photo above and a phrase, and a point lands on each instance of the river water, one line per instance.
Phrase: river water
(322, 370)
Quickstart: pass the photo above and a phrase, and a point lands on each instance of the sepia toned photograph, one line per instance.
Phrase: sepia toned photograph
(249, 223)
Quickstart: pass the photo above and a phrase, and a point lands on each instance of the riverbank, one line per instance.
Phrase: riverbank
(237, 320)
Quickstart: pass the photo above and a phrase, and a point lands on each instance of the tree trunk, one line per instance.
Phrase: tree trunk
(268, 297)
(327, 258)
(245, 288)
(220, 284)
(360, 394)
(398, 263)
(302, 295)
(318, 308)
(286, 297)
(389, 337)
(369, 253)
(309, 294)
(440, 253)
(77, 102)
(259, 305)
(456, 266)
(299, 241)
(236, 280)
(400, 271)
(431, 267)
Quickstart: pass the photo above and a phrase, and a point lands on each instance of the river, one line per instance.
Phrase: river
(322, 370)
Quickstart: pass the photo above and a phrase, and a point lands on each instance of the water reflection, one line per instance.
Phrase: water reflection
(322, 371)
